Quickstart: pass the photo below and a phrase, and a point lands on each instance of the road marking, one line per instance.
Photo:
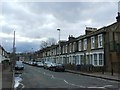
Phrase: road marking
(22, 85)
(108, 86)
(53, 77)
(65, 81)
(101, 86)
(74, 84)
(95, 87)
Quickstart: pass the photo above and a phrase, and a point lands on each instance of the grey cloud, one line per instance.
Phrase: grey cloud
(7, 29)
(40, 20)
(27, 46)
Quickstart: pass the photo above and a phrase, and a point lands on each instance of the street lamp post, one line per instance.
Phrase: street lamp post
(59, 44)
(32, 56)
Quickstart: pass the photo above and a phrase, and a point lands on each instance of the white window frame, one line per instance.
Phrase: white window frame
(100, 41)
(80, 45)
(92, 42)
(85, 44)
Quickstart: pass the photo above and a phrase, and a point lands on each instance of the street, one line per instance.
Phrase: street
(37, 77)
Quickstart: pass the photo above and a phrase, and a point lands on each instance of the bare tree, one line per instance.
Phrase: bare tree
(49, 42)
(43, 44)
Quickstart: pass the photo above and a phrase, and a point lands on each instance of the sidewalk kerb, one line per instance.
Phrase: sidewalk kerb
(92, 75)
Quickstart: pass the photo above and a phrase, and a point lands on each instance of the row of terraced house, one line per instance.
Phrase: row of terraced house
(3, 54)
(99, 48)
(4, 58)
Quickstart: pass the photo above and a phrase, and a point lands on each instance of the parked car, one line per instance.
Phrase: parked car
(19, 65)
(52, 66)
(57, 67)
(47, 65)
(30, 63)
(33, 62)
(40, 64)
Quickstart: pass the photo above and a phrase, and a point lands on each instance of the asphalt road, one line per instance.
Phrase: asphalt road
(36, 77)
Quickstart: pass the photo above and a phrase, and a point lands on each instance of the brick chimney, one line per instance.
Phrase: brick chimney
(89, 30)
(70, 38)
(118, 17)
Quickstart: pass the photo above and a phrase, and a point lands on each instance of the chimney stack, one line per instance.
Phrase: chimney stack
(70, 38)
(118, 17)
(89, 30)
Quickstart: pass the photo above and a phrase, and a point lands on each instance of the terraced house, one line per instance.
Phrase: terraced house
(4, 58)
(3, 54)
(99, 48)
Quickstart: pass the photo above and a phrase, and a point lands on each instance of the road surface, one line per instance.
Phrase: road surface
(37, 77)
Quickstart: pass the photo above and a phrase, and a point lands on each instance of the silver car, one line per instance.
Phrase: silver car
(40, 64)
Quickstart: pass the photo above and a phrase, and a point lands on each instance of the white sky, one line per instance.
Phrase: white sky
(36, 21)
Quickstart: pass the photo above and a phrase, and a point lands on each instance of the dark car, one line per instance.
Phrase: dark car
(19, 65)
(57, 67)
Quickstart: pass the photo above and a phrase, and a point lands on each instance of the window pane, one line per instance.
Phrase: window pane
(100, 59)
(91, 59)
(99, 41)
(95, 59)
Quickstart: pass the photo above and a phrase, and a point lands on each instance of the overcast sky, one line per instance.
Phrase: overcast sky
(37, 21)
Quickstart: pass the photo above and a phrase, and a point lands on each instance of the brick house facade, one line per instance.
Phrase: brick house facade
(99, 48)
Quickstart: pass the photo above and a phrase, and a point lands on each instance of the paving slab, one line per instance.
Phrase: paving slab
(7, 78)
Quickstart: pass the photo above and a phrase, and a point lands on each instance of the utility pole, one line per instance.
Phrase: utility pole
(13, 54)
(59, 44)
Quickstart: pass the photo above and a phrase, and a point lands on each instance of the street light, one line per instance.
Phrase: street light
(59, 44)
(32, 58)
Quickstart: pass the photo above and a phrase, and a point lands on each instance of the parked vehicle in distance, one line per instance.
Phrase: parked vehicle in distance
(33, 62)
(30, 63)
(57, 67)
(19, 65)
(26, 62)
(40, 64)
(51, 66)
(47, 65)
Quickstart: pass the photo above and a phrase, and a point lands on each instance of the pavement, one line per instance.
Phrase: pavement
(7, 78)
(106, 75)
